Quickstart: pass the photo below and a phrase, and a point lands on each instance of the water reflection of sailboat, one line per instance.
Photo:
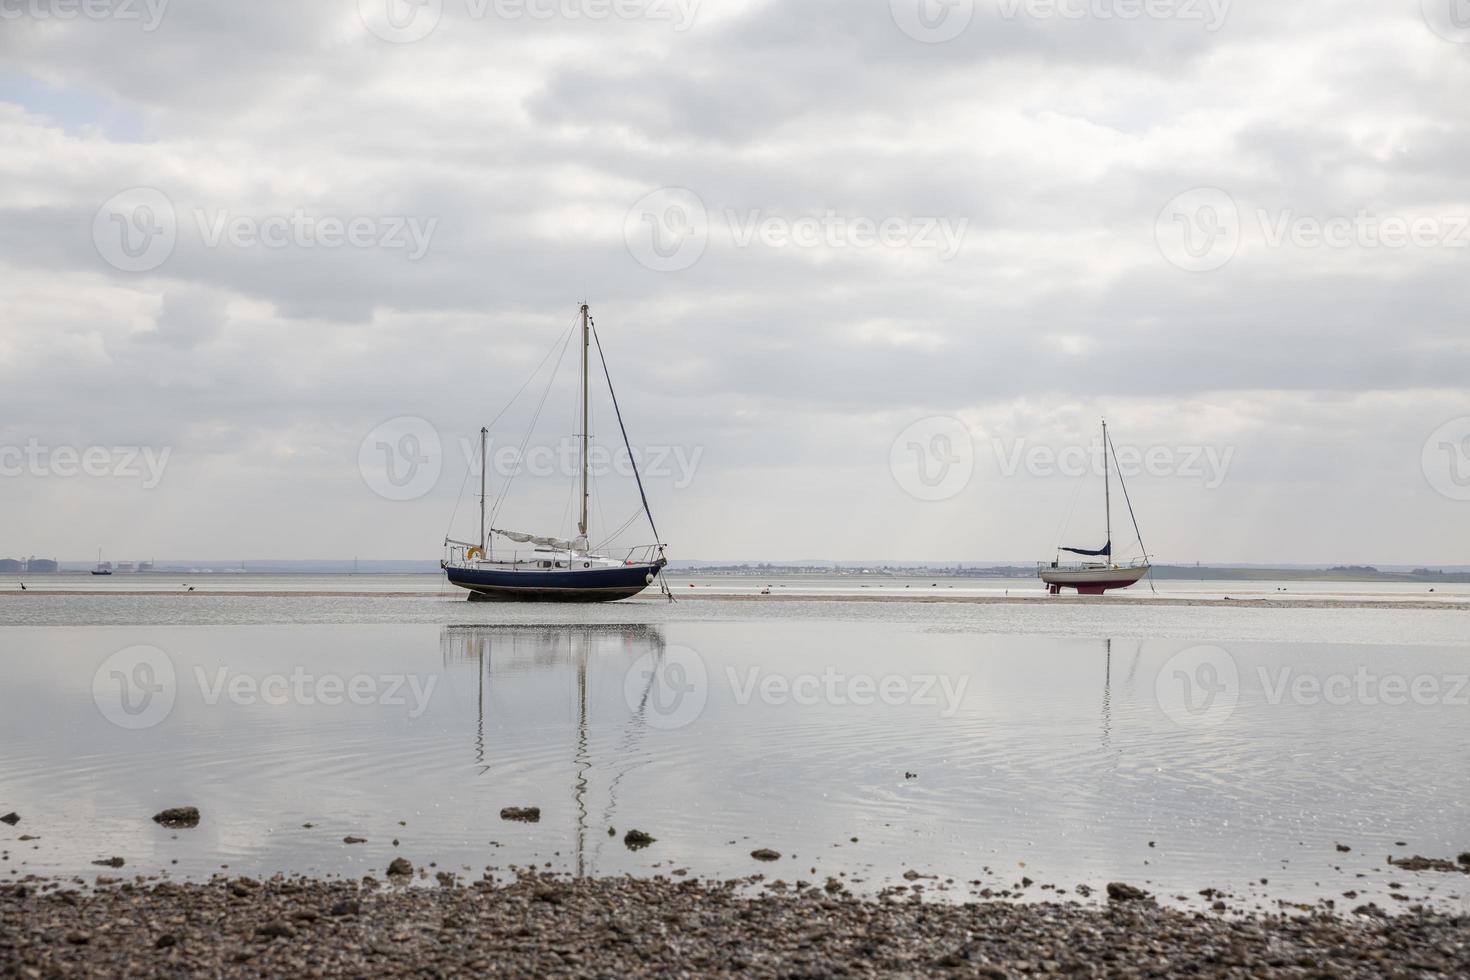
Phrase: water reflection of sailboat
(1107, 696)
(520, 650)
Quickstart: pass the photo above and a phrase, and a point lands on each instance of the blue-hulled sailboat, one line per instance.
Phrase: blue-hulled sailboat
(555, 569)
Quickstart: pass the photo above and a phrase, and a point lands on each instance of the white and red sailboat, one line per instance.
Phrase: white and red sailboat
(1104, 572)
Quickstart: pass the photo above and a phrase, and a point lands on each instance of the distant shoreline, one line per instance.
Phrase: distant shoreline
(712, 594)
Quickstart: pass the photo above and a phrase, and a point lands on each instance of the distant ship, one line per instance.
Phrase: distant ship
(557, 569)
(1097, 577)
(103, 568)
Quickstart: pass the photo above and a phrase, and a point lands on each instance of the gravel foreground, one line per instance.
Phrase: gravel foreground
(609, 927)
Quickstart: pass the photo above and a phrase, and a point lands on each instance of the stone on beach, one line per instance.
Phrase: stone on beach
(112, 862)
(11, 818)
(636, 840)
(521, 814)
(1417, 863)
(179, 816)
(400, 868)
(765, 854)
(1120, 892)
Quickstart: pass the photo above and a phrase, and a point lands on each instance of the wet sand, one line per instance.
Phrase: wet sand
(536, 926)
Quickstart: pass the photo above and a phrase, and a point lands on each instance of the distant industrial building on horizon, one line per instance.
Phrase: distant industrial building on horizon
(36, 566)
(33, 565)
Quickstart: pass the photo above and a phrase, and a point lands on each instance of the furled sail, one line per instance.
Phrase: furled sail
(1104, 552)
(577, 544)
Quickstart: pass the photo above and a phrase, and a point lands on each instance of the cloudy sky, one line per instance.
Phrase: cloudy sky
(868, 273)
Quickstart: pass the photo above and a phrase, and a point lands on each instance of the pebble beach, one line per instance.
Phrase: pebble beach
(536, 926)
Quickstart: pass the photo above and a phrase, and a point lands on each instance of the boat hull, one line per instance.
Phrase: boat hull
(597, 584)
(1093, 581)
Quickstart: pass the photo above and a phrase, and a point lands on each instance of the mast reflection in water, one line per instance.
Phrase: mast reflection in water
(593, 662)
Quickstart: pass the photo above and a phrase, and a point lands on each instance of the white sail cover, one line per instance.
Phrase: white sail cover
(577, 544)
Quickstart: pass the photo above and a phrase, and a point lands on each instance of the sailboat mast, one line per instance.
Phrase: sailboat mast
(586, 345)
(1107, 493)
(484, 441)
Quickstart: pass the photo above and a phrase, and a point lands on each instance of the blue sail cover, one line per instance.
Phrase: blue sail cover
(1105, 552)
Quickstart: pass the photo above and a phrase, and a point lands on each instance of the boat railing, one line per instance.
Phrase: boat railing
(1083, 566)
(463, 553)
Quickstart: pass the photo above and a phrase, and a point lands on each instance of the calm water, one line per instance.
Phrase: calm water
(811, 585)
(1051, 742)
